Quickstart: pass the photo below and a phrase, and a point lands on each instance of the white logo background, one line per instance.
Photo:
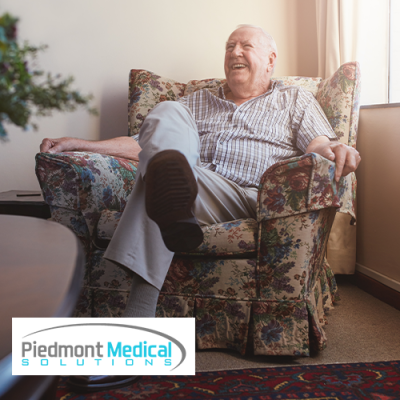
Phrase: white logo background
(103, 346)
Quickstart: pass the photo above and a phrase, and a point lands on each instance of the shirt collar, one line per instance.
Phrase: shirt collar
(274, 84)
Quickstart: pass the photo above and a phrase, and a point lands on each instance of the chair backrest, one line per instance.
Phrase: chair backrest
(338, 96)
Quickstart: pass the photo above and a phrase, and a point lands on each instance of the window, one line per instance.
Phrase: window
(379, 51)
(394, 56)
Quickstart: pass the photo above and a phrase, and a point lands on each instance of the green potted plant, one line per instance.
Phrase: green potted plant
(26, 92)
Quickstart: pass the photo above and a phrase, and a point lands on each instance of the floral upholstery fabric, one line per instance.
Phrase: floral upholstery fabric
(107, 224)
(261, 284)
(212, 277)
(145, 91)
(90, 183)
(310, 84)
(304, 184)
(339, 97)
(227, 238)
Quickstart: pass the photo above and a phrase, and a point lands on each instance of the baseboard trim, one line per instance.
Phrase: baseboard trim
(385, 280)
(377, 289)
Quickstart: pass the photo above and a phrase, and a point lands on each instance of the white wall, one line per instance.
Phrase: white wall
(99, 41)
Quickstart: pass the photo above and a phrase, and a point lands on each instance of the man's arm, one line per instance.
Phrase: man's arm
(123, 146)
(345, 157)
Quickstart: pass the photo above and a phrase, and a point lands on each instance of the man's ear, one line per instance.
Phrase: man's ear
(271, 61)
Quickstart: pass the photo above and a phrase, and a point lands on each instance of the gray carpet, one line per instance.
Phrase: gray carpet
(361, 329)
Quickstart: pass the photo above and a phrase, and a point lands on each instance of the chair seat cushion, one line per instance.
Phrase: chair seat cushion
(224, 239)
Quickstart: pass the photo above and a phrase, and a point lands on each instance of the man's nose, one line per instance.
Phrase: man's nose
(237, 51)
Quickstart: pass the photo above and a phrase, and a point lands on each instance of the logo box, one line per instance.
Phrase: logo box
(103, 346)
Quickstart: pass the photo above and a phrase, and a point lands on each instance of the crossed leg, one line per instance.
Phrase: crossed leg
(137, 242)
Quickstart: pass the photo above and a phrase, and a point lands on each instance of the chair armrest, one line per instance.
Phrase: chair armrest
(304, 184)
(297, 203)
(339, 97)
(85, 182)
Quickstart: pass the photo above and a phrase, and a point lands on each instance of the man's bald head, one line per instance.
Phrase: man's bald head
(266, 39)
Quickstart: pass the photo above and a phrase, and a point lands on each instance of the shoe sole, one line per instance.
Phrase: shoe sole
(171, 190)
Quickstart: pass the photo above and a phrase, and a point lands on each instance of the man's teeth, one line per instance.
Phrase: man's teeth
(239, 66)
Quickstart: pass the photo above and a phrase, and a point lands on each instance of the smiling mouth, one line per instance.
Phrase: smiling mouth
(238, 66)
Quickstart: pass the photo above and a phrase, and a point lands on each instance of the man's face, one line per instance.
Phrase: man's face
(247, 60)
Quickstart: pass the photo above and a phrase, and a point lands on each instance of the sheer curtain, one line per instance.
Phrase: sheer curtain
(337, 33)
(353, 30)
(356, 30)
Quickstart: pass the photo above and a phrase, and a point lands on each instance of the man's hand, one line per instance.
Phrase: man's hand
(123, 146)
(58, 145)
(346, 158)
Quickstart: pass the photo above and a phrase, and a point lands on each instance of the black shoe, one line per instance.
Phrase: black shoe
(97, 383)
(171, 190)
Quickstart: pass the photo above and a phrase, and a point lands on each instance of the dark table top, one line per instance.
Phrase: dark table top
(41, 273)
(21, 196)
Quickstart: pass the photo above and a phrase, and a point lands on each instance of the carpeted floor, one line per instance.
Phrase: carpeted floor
(361, 329)
(375, 381)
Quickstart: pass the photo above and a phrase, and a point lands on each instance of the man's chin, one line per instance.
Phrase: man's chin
(237, 79)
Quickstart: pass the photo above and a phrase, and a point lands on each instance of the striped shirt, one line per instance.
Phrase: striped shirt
(241, 142)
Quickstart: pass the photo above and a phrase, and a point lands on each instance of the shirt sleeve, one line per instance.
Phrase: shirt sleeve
(309, 120)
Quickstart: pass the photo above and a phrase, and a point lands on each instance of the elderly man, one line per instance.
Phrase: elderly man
(211, 150)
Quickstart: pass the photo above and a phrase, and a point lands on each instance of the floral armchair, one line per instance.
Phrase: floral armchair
(259, 284)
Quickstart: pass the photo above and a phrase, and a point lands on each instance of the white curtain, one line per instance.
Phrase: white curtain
(337, 33)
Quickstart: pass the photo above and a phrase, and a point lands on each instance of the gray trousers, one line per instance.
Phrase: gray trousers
(137, 243)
